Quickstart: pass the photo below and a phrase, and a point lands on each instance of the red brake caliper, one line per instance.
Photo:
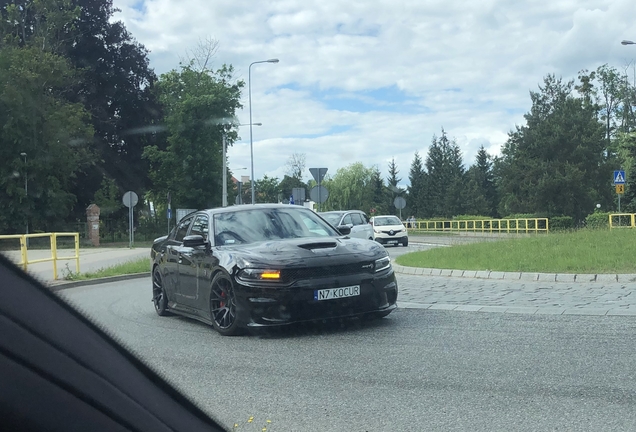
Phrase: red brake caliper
(222, 304)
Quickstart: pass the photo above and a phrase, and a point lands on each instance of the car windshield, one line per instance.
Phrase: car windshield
(386, 220)
(332, 218)
(257, 225)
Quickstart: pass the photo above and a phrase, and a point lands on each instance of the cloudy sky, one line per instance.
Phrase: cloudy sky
(367, 81)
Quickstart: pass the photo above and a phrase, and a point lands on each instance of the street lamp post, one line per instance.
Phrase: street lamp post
(26, 188)
(224, 195)
(249, 93)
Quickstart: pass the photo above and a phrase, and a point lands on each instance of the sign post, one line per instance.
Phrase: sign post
(319, 175)
(619, 182)
(130, 200)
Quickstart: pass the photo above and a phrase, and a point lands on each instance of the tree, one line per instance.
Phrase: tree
(417, 187)
(627, 152)
(555, 164)
(37, 120)
(379, 193)
(481, 196)
(296, 165)
(445, 177)
(350, 188)
(288, 184)
(267, 190)
(611, 88)
(191, 166)
(116, 86)
(392, 183)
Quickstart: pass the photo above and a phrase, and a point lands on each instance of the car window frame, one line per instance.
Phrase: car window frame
(189, 219)
(357, 215)
(206, 236)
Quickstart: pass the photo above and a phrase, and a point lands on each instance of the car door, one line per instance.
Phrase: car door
(172, 258)
(346, 220)
(194, 265)
(360, 227)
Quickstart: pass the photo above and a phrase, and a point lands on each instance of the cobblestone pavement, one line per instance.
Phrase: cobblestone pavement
(473, 294)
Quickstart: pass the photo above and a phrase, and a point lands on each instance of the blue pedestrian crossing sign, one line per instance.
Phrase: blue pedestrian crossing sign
(619, 177)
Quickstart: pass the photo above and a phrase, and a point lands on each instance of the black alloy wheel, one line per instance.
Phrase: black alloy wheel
(223, 306)
(159, 293)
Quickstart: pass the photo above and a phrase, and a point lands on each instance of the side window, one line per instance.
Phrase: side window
(347, 220)
(356, 218)
(200, 226)
(182, 228)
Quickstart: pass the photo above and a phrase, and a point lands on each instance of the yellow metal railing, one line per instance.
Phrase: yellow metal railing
(24, 260)
(533, 225)
(622, 220)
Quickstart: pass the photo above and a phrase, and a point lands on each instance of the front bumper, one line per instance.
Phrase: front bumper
(397, 238)
(272, 306)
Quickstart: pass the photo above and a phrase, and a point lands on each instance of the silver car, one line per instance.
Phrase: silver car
(355, 219)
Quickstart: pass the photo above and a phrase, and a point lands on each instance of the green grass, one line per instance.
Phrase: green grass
(583, 251)
(141, 265)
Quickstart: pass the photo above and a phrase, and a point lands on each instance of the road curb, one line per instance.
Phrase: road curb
(519, 310)
(59, 286)
(530, 277)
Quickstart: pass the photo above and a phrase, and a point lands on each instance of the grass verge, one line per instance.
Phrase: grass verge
(582, 251)
(140, 265)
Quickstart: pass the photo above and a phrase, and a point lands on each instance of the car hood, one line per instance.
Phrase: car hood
(302, 252)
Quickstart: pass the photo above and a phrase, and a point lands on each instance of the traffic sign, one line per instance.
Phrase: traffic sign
(399, 203)
(619, 177)
(620, 189)
(319, 194)
(318, 173)
(169, 214)
(130, 199)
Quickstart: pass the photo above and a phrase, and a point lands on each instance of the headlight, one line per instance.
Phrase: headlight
(259, 275)
(376, 231)
(382, 264)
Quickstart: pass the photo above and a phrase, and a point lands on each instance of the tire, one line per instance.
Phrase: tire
(159, 298)
(405, 242)
(223, 306)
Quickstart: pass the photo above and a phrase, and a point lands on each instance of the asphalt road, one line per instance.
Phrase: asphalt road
(414, 370)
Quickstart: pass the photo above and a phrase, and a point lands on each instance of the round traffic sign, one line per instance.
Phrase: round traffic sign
(130, 199)
(319, 194)
(399, 202)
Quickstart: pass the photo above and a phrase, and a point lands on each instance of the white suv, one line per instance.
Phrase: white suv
(354, 219)
(389, 229)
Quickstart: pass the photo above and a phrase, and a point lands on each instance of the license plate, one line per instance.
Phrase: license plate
(392, 242)
(336, 293)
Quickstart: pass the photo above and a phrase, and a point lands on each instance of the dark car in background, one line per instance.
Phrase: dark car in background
(355, 219)
(268, 265)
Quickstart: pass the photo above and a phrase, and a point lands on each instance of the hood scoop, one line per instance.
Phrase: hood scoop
(318, 245)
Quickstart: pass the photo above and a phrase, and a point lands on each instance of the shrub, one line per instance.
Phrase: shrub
(597, 220)
(471, 217)
(561, 223)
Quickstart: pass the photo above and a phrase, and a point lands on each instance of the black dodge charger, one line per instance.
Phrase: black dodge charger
(268, 265)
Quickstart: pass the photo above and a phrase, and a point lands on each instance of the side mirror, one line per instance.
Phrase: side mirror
(344, 229)
(193, 241)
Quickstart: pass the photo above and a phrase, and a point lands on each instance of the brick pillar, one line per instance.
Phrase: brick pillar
(92, 216)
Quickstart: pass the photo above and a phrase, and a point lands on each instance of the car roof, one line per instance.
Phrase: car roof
(244, 207)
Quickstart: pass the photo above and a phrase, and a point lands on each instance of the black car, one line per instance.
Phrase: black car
(268, 265)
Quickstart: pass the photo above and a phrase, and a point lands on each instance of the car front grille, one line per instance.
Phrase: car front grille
(326, 271)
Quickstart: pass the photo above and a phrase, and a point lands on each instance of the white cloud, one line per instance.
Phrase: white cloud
(466, 66)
